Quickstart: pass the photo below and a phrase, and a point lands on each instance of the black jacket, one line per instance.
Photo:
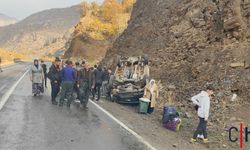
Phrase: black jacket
(54, 74)
(99, 76)
(44, 66)
(85, 76)
(105, 75)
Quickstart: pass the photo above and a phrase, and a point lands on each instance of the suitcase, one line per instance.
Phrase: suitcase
(169, 113)
(173, 125)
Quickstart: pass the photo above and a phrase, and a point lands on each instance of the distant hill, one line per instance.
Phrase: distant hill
(45, 31)
(6, 20)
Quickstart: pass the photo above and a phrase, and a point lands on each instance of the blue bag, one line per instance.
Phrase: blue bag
(169, 113)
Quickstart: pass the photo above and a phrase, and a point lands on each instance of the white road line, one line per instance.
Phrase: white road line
(124, 126)
(10, 91)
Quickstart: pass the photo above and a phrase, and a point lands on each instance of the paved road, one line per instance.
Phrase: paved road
(32, 123)
(10, 75)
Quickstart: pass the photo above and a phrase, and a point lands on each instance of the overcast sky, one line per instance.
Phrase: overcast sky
(23, 8)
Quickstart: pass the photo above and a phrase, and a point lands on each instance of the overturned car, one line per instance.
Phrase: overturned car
(130, 78)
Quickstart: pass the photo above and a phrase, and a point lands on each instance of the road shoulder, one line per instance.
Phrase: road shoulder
(149, 127)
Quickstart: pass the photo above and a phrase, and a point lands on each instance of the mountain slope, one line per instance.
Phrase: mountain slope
(193, 43)
(99, 26)
(47, 30)
(6, 20)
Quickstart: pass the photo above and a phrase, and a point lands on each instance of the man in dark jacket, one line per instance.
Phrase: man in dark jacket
(68, 76)
(0, 65)
(99, 76)
(77, 70)
(85, 84)
(55, 80)
(44, 66)
(105, 81)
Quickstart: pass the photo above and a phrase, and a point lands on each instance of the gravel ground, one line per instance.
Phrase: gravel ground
(149, 127)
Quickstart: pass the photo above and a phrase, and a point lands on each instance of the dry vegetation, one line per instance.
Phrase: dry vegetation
(105, 21)
(9, 55)
(98, 28)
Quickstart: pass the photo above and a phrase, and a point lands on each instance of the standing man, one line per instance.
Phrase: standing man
(93, 79)
(202, 102)
(105, 81)
(99, 75)
(44, 66)
(85, 84)
(68, 79)
(55, 79)
(77, 70)
(95, 67)
(0, 64)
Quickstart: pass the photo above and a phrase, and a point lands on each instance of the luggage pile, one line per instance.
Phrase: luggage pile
(171, 119)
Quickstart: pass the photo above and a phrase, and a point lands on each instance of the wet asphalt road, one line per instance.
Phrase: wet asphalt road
(32, 123)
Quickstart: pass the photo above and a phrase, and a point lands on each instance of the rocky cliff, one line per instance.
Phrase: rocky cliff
(191, 43)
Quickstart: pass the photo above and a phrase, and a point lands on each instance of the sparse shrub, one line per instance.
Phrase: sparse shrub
(105, 21)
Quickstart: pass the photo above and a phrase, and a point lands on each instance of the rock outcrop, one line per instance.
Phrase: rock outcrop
(191, 44)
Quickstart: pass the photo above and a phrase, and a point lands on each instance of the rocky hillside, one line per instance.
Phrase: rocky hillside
(191, 43)
(45, 32)
(6, 20)
(99, 26)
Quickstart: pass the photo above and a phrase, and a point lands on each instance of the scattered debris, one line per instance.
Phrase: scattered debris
(234, 97)
(238, 64)
(175, 145)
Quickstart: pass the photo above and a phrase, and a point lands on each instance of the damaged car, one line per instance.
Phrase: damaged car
(127, 85)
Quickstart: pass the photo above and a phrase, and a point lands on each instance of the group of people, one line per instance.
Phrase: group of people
(70, 79)
(84, 80)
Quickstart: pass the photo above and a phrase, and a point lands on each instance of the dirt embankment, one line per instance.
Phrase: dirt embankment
(191, 44)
